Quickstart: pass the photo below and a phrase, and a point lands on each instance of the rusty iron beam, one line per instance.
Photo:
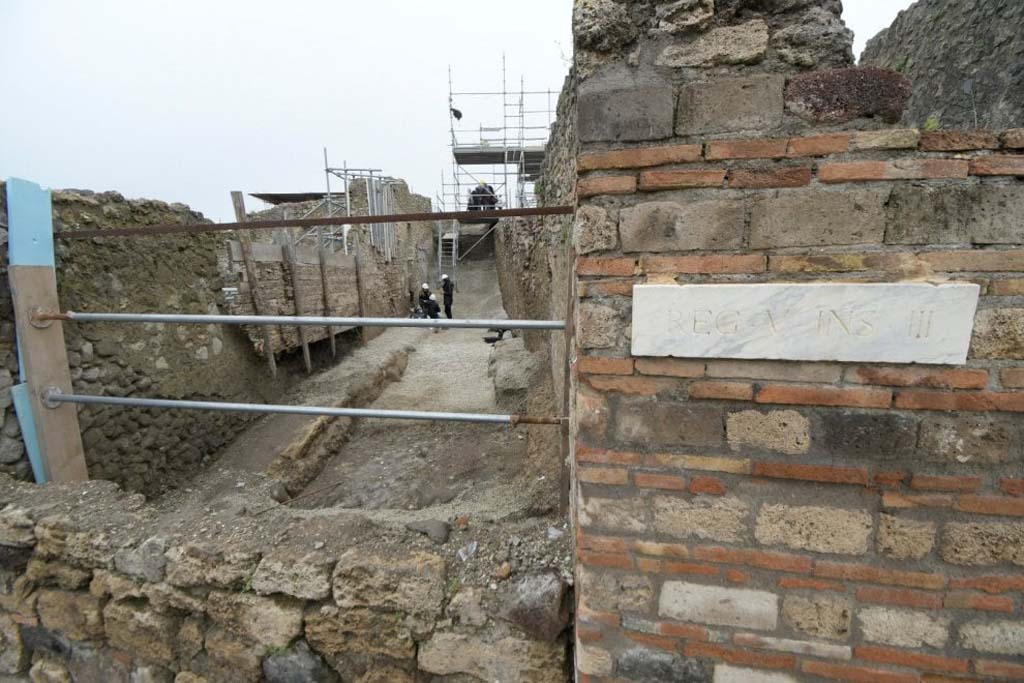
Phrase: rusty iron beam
(475, 216)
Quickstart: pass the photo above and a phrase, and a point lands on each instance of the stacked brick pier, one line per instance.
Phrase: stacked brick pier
(772, 521)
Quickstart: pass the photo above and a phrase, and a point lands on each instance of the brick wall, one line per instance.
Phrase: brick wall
(772, 521)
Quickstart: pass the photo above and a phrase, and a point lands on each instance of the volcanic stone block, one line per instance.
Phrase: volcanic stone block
(753, 104)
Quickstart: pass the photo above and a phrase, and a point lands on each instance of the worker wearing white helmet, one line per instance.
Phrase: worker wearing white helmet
(448, 287)
(424, 296)
(432, 310)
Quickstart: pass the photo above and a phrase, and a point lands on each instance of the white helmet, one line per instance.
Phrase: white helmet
(444, 277)
(426, 286)
(433, 297)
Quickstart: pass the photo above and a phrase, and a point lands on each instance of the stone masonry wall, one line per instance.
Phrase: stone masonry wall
(771, 522)
(143, 450)
(244, 589)
(965, 59)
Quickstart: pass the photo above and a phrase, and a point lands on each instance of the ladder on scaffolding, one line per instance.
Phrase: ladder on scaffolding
(448, 249)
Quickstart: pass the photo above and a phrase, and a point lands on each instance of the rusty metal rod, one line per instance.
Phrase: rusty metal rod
(473, 216)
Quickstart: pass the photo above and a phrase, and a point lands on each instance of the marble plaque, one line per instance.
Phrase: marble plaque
(905, 322)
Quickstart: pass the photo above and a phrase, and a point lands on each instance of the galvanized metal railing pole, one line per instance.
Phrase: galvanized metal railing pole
(55, 399)
(305, 321)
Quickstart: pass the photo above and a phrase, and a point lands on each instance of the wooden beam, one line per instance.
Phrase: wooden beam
(297, 292)
(258, 305)
(323, 284)
(41, 351)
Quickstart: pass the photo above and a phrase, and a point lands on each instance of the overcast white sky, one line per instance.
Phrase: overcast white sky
(185, 100)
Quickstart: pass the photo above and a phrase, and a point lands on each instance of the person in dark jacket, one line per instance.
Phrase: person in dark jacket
(482, 198)
(432, 310)
(448, 287)
(424, 296)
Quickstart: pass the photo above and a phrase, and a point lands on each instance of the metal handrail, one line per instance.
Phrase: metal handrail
(54, 398)
(44, 318)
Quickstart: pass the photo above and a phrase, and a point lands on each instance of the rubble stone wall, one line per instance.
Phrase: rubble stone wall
(965, 59)
(771, 521)
(231, 593)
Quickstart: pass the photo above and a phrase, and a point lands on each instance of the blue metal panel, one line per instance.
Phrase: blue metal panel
(29, 224)
(30, 243)
(23, 408)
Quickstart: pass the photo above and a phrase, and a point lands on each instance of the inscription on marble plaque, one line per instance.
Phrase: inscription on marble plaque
(905, 322)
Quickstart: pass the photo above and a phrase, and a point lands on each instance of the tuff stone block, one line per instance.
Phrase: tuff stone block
(413, 583)
(273, 622)
(905, 539)
(979, 544)
(999, 334)
(870, 436)
(818, 217)
(613, 513)
(729, 105)
(139, 629)
(737, 44)
(822, 616)
(818, 529)
(641, 664)
(516, 659)
(738, 607)
(967, 439)
(77, 616)
(997, 637)
(668, 226)
(625, 106)
(615, 592)
(345, 633)
(598, 326)
(719, 519)
(781, 431)
(668, 423)
(903, 628)
(594, 230)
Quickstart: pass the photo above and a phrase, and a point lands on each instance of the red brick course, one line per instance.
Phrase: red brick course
(606, 266)
(781, 562)
(958, 141)
(742, 657)
(667, 482)
(722, 391)
(788, 394)
(869, 574)
(746, 149)
(998, 165)
(914, 660)
(670, 367)
(959, 378)
(856, 674)
(747, 263)
(904, 169)
(928, 482)
(604, 475)
(638, 158)
(899, 597)
(826, 474)
(651, 181)
(594, 365)
(819, 145)
(613, 184)
(978, 601)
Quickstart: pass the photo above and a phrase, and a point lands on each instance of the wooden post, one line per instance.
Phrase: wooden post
(52, 431)
(258, 306)
(323, 284)
(293, 266)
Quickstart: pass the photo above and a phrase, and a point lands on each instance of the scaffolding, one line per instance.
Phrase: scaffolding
(509, 156)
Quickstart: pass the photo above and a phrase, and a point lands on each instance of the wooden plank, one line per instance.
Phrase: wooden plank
(323, 286)
(289, 257)
(44, 361)
(260, 308)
